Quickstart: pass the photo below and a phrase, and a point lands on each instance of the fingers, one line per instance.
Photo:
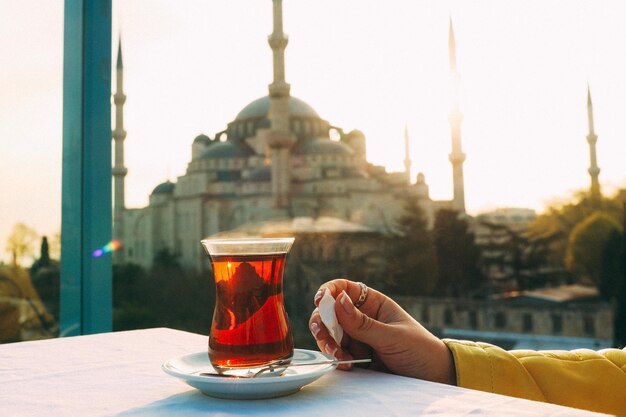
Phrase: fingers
(362, 330)
(335, 287)
(372, 304)
(359, 325)
(326, 343)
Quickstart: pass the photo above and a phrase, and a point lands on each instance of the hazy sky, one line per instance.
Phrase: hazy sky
(373, 65)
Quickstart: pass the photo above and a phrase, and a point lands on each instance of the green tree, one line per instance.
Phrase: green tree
(20, 243)
(596, 253)
(458, 257)
(45, 275)
(555, 225)
(166, 260)
(166, 295)
(411, 256)
(585, 256)
(612, 278)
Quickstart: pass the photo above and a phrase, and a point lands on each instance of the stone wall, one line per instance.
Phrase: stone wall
(584, 320)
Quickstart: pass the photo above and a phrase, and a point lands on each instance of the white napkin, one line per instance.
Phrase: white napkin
(329, 318)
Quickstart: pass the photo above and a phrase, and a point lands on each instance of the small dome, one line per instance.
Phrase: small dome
(323, 146)
(202, 138)
(260, 107)
(355, 134)
(164, 188)
(225, 150)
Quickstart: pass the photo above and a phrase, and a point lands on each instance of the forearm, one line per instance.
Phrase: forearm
(582, 379)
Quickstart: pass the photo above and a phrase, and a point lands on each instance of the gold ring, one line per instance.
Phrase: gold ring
(362, 296)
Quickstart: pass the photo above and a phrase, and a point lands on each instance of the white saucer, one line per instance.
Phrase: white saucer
(188, 367)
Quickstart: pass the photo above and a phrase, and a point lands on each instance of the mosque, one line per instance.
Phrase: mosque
(277, 168)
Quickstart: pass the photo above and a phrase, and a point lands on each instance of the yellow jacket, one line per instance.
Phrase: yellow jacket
(580, 378)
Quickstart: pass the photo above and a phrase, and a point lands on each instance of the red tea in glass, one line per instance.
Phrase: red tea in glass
(250, 326)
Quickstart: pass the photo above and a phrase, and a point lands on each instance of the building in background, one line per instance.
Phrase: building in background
(274, 161)
(564, 317)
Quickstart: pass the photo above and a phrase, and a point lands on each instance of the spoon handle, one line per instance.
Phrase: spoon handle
(282, 366)
(328, 362)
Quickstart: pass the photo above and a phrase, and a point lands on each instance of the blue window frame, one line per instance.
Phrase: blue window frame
(86, 217)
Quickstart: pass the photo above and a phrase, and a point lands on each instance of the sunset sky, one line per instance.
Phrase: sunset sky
(191, 66)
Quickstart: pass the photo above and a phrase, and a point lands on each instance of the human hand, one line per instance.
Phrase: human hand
(381, 330)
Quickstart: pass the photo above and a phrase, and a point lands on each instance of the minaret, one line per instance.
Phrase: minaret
(592, 138)
(457, 157)
(407, 157)
(279, 137)
(119, 170)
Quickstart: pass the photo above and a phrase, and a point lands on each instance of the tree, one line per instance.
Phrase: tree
(166, 260)
(45, 275)
(612, 279)
(166, 295)
(585, 254)
(411, 257)
(596, 252)
(458, 256)
(20, 242)
(521, 262)
(44, 258)
(555, 225)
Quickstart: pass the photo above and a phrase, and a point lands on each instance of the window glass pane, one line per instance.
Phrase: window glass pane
(557, 323)
(189, 75)
(31, 67)
(527, 323)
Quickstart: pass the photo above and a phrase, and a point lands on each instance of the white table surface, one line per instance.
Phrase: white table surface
(119, 374)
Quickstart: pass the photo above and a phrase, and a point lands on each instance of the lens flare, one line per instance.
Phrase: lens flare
(112, 246)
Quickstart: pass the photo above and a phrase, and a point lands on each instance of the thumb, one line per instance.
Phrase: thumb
(358, 325)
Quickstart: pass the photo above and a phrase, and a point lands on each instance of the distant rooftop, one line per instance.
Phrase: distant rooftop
(508, 215)
(298, 225)
(561, 294)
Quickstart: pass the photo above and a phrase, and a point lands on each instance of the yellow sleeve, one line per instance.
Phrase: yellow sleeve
(580, 378)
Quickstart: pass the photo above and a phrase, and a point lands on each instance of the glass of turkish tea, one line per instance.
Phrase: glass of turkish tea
(250, 327)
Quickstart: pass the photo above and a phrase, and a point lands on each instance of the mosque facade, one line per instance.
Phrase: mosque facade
(278, 160)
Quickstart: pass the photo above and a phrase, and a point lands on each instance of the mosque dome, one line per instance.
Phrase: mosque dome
(323, 146)
(260, 107)
(226, 150)
(164, 188)
(202, 138)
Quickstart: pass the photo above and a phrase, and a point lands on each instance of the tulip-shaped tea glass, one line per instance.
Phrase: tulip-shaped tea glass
(250, 326)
